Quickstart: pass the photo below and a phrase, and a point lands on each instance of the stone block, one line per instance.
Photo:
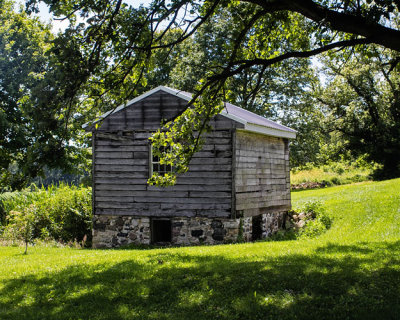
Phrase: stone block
(197, 233)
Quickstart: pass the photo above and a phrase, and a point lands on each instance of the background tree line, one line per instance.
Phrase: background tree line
(51, 84)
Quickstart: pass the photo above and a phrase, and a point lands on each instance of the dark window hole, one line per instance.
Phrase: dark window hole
(161, 231)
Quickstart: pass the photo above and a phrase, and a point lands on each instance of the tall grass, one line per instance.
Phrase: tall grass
(17, 199)
(334, 173)
(63, 212)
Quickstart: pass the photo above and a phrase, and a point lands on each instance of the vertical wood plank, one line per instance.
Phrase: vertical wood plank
(233, 171)
(93, 171)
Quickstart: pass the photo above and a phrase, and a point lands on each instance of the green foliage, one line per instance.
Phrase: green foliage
(315, 221)
(37, 125)
(319, 223)
(12, 200)
(61, 213)
(240, 237)
(350, 271)
(21, 225)
(362, 104)
(332, 173)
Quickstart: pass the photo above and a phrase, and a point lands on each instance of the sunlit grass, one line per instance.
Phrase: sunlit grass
(331, 175)
(350, 272)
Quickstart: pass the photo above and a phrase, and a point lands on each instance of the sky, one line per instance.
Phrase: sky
(58, 25)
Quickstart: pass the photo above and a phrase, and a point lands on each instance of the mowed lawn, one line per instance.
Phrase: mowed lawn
(350, 272)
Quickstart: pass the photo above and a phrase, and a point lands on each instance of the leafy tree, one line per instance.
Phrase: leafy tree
(35, 127)
(114, 48)
(23, 43)
(362, 101)
(20, 225)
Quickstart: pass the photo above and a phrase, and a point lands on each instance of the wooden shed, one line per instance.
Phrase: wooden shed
(237, 185)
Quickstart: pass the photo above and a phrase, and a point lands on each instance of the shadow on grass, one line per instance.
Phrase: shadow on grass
(335, 282)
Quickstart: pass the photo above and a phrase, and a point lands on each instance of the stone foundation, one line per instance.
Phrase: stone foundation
(114, 231)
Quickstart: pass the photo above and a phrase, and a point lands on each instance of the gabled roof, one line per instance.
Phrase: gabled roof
(251, 121)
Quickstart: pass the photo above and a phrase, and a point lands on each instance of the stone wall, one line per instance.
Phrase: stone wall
(272, 222)
(114, 231)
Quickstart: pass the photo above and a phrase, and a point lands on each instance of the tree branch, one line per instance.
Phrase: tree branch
(244, 64)
(339, 21)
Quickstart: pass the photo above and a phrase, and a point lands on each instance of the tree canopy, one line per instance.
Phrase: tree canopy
(362, 104)
(112, 50)
(34, 128)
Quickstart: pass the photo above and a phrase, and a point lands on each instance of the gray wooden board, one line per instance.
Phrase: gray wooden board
(120, 168)
(261, 172)
(217, 213)
(125, 175)
(114, 155)
(116, 161)
(196, 187)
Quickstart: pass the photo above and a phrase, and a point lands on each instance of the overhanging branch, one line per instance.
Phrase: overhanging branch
(244, 64)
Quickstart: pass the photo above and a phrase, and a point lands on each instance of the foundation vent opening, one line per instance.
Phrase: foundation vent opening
(256, 228)
(161, 231)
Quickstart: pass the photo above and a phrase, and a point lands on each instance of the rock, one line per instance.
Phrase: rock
(197, 233)
(99, 226)
(111, 227)
(114, 240)
(300, 224)
(122, 234)
(216, 224)
(119, 222)
(132, 236)
(219, 234)
(302, 215)
(177, 224)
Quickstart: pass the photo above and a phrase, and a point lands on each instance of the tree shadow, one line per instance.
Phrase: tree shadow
(360, 281)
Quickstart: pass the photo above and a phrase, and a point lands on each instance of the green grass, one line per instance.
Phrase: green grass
(337, 173)
(350, 272)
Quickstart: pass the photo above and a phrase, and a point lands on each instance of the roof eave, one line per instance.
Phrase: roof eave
(290, 134)
(269, 131)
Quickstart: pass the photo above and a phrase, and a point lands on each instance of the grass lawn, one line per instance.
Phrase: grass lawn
(350, 272)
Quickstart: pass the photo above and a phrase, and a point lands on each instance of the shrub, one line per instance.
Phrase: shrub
(17, 199)
(62, 213)
(21, 225)
(319, 222)
(308, 222)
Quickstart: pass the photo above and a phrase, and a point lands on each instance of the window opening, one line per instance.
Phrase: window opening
(161, 231)
(156, 166)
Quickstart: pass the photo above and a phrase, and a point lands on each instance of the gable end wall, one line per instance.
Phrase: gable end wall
(262, 182)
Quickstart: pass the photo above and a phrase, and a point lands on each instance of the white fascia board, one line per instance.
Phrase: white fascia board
(269, 131)
(260, 129)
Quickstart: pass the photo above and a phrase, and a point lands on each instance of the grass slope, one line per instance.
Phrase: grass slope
(350, 272)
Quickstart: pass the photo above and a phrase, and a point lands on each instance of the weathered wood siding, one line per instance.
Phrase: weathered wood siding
(261, 173)
(121, 166)
(145, 114)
